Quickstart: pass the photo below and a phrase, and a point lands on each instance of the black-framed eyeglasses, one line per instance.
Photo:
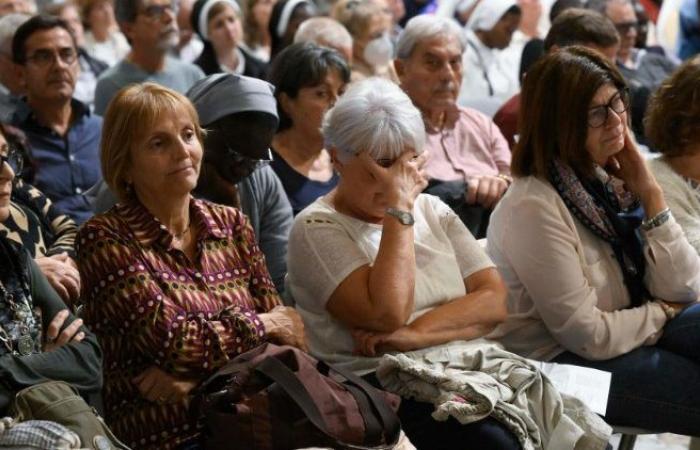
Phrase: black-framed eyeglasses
(44, 57)
(14, 159)
(619, 103)
(624, 27)
(156, 12)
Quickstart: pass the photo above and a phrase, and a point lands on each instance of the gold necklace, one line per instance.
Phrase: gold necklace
(180, 235)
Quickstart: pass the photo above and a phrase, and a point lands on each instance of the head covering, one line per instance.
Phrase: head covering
(223, 94)
(286, 14)
(488, 13)
(200, 12)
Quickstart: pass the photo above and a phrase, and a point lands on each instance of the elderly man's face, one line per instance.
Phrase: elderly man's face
(625, 20)
(432, 75)
(154, 27)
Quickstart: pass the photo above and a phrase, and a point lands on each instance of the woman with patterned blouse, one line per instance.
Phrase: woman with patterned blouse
(173, 286)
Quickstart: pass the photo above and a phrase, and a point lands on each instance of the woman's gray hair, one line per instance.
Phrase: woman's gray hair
(376, 116)
(425, 27)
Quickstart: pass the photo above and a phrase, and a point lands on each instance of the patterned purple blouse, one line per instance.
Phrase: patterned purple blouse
(150, 305)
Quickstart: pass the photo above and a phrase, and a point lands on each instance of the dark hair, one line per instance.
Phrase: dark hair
(303, 65)
(562, 5)
(41, 22)
(513, 10)
(18, 140)
(553, 118)
(673, 118)
(581, 27)
(277, 42)
(126, 10)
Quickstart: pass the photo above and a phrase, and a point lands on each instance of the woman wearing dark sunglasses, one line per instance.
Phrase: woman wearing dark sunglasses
(599, 272)
(39, 339)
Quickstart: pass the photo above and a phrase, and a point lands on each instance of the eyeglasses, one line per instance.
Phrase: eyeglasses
(624, 27)
(239, 158)
(156, 12)
(43, 57)
(598, 115)
(14, 159)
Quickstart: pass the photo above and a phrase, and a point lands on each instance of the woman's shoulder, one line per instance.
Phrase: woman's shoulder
(528, 198)
(318, 213)
(223, 216)
(663, 172)
(110, 221)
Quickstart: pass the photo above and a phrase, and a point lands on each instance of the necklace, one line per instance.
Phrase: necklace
(181, 234)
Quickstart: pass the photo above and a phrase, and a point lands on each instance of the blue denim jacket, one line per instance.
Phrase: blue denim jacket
(65, 166)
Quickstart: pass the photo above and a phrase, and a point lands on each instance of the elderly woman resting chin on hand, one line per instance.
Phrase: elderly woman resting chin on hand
(377, 266)
(174, 286)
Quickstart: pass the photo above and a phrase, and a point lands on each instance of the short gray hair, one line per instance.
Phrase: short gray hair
(323, 30)
(376, 116)
(425, 27)
(8, 28)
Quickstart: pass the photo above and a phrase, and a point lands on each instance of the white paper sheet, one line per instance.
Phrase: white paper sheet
(591, 386)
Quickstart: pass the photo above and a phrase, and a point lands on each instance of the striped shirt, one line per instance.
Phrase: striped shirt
(150, 305)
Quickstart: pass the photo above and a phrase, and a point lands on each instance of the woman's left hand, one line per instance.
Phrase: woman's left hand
(369, 343)
(629, 165)
(157, 386)
(69, 334)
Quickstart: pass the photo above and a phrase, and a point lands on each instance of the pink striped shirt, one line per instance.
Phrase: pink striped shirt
(475, 146)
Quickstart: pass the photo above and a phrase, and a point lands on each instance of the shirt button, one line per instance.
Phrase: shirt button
(78, 190)
(71, 158)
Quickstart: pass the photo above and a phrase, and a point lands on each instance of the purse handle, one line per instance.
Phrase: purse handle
(391, 427)
(277, 371)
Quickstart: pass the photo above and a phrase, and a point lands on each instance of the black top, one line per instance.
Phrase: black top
(300, 190)
(77, 363)
(210, 65)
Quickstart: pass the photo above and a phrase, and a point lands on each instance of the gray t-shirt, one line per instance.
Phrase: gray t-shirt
(326, 246)
(176, 75)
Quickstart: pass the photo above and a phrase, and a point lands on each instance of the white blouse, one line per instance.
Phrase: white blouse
(566, 289)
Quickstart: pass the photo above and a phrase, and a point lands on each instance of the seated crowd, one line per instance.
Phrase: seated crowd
(387, 185)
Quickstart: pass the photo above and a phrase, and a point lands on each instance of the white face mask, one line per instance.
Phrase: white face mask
(379, 51)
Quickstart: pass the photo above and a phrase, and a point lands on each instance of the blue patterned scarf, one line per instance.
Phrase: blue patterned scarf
(614, 214)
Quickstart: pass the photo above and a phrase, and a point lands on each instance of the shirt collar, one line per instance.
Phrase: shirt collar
(24, 113)
(149, 231)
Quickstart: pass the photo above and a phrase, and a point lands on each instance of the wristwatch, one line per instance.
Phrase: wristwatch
(405, 217)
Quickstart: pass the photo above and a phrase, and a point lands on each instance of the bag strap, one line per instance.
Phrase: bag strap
(390, 421)
(277, 371)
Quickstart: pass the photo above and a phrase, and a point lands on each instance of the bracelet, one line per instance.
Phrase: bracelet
(668, 310)
(656, 221)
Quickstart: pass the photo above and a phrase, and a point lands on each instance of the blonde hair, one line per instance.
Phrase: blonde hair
(356, 15)
(133, 111)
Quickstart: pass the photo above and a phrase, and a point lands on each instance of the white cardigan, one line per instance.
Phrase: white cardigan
(566, 289)
(681, 197)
